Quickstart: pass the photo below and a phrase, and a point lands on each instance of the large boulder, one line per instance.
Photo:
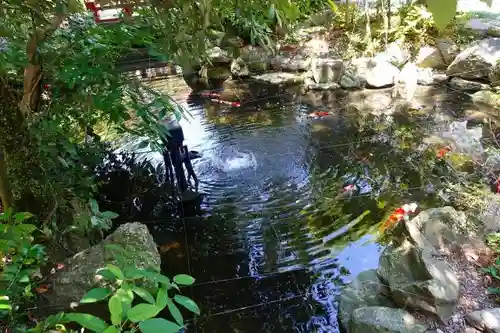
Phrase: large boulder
(280, 78)
(417, 280)
(487, 97)
(477, 61)
(380, 74)
(256, 58)
(365, 290)
(467, 85)
(485, 320)
(430, 57)
(327, 71)
(394, 54)
(291, 62)
(379, 319)
(354, 75)
(79, 273)
(449, 50)
(406, 82)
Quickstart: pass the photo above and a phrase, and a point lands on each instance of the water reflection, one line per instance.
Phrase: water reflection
(278, 235)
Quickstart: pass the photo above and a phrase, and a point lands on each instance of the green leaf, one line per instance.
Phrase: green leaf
(443, 11)
(115, 309)
(144, 294)
(95, 295)
(159, 325)
(174, 311)
(87, 321)
(107, 274)
(109, 215)
(94, 206)
(162, 297)
(188, 303)
(142, 312)
(4, 305)
(22, 216)
(126, 296)
(111, 329)
(184, 279)
(116, 271)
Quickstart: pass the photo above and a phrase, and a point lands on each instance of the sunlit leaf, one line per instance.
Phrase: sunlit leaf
(184, 279)
(142, 312)
(443, 11)
(174, 311)
(95, 295)
(88, 321)
(188, 303)
(159, 325)
(115, 309)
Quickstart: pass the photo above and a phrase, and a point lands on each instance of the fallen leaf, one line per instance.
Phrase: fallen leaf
(42, 289)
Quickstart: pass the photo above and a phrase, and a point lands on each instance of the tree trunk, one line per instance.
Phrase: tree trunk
(21, 156)
(5, 189)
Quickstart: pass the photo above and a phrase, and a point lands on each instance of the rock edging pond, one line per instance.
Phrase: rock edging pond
(475, 68)
(424, 281)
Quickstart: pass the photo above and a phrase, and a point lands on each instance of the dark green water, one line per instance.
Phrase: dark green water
(276, 235)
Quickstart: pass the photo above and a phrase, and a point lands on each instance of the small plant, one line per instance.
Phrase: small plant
(20, 260)
(100, 220)
(124, 286)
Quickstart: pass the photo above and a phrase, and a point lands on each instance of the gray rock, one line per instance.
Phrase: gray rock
(430, 57)
(365, 290)
(449, 50)
(467, 85)
(239, 68)
(487, 97)
(395, 54)
(379, 319)
(326, 71)
(79, 273)
(312, 85)
(380, 74)
(291, 62)
(419, 281)
(281, 78)
(354, 76)
(256, 58)
(218, 56)
(485, 320)
(425, 76)
(406, 82)
(443, 229)
(477, 60)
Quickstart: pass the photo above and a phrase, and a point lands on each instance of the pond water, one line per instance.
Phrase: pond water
(277, 233)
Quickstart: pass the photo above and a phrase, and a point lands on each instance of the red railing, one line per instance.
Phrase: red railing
(97, 9)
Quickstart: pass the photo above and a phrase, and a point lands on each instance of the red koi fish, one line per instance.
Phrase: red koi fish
(210, 94)
(220, 101)
(349, 188)
(397, 215)
(443, 151)
(497, 184)
(318, 114)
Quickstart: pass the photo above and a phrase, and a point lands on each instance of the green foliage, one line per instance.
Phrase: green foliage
(20, 260)
(125, 311)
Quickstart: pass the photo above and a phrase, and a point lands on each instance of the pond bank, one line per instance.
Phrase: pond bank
(432, 271)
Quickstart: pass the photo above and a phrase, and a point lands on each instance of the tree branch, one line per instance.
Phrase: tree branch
(33, 72)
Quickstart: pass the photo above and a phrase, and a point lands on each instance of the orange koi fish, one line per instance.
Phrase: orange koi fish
(398, 215)
(443, 151)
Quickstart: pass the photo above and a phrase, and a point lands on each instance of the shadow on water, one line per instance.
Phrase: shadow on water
(277, 235)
